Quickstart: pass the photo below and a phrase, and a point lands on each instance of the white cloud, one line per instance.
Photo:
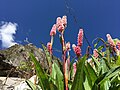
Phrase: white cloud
(7, 30)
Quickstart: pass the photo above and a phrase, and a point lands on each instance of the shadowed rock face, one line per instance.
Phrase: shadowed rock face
(12, 57)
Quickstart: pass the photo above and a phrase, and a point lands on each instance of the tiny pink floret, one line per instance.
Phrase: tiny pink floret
(77, 50)
(58, 21)
(68, 46)
(61, 28)
(64, 20)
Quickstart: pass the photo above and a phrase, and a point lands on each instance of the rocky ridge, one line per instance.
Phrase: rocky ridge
(14, 65)
(17, 56)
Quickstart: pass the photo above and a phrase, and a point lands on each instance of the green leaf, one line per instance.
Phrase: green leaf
(47, 54)
(96, 85)
(96, 61)
(53, 74)
(103, 81)
(98, 40)
(118, 60)
(106, 81)
(43, 79)
(112, 72)
(59, 77)
(86, 84)
(53, 86)
(116, 40)
(31, 85)
(79, 76)
(100, 48)
(91, 72)
(88, 81)
(105, 85)
(71, 63)
(103, 65)
(108, 55)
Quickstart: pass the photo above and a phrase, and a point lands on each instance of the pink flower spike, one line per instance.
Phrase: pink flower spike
(95, 53)
(80, 37)
(77, 50)
(110, 40)
(53, 30)
(49, 47)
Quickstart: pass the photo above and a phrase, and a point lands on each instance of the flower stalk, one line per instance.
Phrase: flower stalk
(61, 24)
(65, 62)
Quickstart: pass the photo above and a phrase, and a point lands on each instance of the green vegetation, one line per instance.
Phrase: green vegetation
(97, 71)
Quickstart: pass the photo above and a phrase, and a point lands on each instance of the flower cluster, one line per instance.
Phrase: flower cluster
(61, 23)
(104, 60)
(113, 45)
(77, 49)
(110, 41)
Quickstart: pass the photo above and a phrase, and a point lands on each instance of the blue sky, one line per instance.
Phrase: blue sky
(34, 19)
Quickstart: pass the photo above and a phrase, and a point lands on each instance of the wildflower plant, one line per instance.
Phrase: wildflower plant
(97, 71)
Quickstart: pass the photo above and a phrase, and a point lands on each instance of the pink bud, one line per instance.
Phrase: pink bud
(53, 30)
(64, 20)
(110, 40)
(95, 53)
(58, 21)
(80, 37)
(118, 45)
(74, 68)
(77, 50)
(68, 46)
(49, 47)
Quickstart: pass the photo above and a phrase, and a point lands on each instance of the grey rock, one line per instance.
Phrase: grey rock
(12, 58)
(10, 83)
